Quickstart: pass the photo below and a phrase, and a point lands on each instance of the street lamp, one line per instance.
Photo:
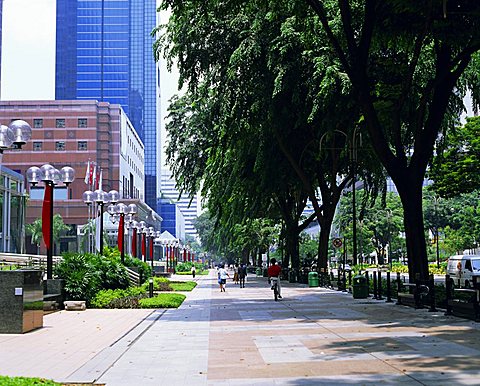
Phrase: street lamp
(151, 233)
(17, 133)
(101, 198)
(50, 177)
(436, 201)
(119, 211)
(88, 199)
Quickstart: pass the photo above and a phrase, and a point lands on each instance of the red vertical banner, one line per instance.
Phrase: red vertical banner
(184, 255)
(46, 211)
(151, 248)
(121, 230)
(134, 242)
(143, 246)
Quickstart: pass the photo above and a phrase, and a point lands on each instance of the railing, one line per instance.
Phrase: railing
(133, 277)
(26, 261)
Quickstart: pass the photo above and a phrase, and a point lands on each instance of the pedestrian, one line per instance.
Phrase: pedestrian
(193, 270)
(222, 278)
(274, 271)
(235, 273)
(242, 274)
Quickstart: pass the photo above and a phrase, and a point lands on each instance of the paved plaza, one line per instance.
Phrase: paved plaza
(312, 336)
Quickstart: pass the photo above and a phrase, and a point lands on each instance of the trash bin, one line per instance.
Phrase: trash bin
(21, 301)
(313, 279)
(258, 272)
(360, 287)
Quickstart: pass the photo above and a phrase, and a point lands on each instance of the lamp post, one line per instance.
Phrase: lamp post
(88, 197)
(101, 198)
(120, 210)
(151, 234)
(16, 134)
(436, 200)
(50, 177)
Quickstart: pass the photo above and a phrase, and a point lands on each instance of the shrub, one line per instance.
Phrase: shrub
(82, 279)
(144, 270)
(187, 266)
(109, 298)
(23, 381)
(163, 301)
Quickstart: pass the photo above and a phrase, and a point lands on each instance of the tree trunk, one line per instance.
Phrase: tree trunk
(291, 246)
(411, 196)
(323, 244)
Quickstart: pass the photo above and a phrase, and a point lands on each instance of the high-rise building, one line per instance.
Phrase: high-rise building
(186, 204)
(104, 53)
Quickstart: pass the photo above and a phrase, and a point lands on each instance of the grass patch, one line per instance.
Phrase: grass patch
(205, 272)
(183, 285)
(163, 301)
(22, 381)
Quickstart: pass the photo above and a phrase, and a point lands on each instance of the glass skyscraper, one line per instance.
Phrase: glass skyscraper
(104, 52)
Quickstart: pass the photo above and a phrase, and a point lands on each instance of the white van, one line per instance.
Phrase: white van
(462, 269)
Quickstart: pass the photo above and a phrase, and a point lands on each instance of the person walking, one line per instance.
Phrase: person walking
(194, 271)
(222, 278)
(242, 274)
(235, 273)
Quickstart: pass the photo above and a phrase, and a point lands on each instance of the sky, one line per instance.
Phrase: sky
(28, 50)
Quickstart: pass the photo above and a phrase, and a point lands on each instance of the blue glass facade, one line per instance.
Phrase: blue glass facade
(104, 52)
(169, 216)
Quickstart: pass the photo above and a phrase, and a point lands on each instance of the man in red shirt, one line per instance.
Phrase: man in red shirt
(274, 271)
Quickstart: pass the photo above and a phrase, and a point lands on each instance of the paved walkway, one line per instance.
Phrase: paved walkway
(242, 337)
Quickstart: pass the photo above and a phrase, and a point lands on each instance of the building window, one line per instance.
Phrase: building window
(82, 122)
(82, 145)
(37, 146)
(60, 123)
(60, 145)
(38, 123)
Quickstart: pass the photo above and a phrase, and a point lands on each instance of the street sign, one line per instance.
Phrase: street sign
(337, 243)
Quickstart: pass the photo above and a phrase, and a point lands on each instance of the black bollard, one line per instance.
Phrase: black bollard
(476, 300)
(350, 281)
(368, 283)
(431, 285)
(399, 288)
(380, 285)
(389, 288)
(448, 294)
(375, 290)
(150, 288)
(339, 280)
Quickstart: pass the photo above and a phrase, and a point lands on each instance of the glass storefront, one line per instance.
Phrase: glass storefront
(12, 211)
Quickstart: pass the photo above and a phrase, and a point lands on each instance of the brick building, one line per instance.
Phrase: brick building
(72, 133)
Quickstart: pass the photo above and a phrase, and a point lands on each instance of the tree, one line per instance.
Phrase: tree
(59, 229)
(382, 222)
(251, 74)
(405, 61)
(455, 167)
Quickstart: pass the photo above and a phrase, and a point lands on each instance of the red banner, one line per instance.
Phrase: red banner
(121, 230)
(143, 246)
(46, 214)
(151, 248)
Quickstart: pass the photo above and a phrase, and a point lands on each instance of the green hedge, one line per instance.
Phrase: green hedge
(205, 272)
(182, 285)
(163, 301)
(23, 381)
(110, 298)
